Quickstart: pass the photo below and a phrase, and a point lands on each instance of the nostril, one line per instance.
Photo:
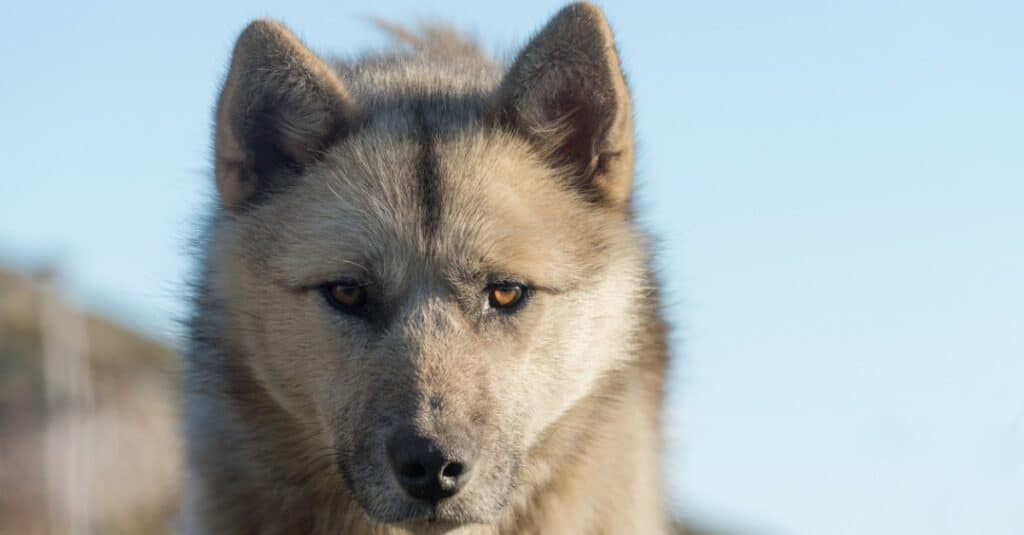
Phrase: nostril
(452, 470)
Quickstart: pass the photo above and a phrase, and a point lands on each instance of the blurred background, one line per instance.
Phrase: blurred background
(837, 190)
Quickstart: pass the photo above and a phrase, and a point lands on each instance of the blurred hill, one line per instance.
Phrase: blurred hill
(88, 419)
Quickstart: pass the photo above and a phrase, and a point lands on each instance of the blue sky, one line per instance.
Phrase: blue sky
(838, 191)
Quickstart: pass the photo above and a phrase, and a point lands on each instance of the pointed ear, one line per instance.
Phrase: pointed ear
(279, 106)
(566, 92)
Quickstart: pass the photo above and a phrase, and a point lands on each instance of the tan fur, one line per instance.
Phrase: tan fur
(429, 177)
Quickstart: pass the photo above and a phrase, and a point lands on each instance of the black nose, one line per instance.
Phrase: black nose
(423, 470)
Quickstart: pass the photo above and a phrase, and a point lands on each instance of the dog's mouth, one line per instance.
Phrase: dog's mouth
(423, 518)
(429, 526)
(437, 518)
(426, 517)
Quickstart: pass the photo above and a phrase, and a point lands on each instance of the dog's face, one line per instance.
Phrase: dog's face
(430, 288)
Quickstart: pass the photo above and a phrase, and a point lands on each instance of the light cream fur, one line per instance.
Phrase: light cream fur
(289, 402)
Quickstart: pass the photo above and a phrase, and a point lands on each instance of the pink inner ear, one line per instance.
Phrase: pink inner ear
(573, 124)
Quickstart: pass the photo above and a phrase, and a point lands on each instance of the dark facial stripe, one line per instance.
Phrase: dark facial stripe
(429, 177)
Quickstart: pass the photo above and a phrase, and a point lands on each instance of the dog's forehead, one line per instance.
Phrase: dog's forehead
(395, 198)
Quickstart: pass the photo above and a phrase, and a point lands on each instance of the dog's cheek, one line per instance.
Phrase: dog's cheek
(585, 343)
(285, 357)
(336, 372)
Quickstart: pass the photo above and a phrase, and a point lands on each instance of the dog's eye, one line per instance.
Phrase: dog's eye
(506, 296)
(348, 297)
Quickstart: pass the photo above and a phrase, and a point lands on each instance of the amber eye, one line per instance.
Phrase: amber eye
(506, 296)
(348, 297)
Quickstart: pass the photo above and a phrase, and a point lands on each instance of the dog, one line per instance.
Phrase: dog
(424, 304)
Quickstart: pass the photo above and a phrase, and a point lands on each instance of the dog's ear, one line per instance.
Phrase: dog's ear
(279, 107)
(567, 94)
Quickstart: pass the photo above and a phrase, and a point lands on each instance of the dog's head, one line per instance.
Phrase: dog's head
(429, 263)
